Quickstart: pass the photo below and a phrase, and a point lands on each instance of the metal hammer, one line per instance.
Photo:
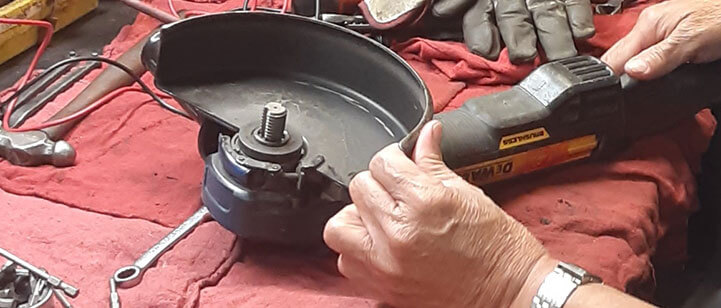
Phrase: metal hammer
(35, 148)
(44, 147)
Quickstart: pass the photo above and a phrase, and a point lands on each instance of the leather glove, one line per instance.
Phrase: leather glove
(520, 23)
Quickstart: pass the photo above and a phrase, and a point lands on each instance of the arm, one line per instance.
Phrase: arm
(588, 295)
(418, 235)
(667, 35)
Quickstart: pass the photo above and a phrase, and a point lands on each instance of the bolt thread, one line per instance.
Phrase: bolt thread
(273, 122)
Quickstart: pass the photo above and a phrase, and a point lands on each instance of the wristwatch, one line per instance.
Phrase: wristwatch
(560, 284)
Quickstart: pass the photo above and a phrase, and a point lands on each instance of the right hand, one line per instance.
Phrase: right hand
(557, 23)
(667, 35)
(418, 235)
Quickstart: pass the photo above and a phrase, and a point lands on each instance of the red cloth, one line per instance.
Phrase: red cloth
(139, 172)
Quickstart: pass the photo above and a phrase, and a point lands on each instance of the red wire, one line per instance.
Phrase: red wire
(85, 111)
(81, 113)
(189, 13)
(287, 6)
(41, 49)
(253, 5)
(46, 40)
(172, 9)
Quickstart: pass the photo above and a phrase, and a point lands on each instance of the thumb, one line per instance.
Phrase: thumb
(428, 155)
(657, 60)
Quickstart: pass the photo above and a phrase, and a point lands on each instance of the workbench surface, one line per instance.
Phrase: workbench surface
(138, 175)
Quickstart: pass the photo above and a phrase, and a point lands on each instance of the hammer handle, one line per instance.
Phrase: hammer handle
(109, 80)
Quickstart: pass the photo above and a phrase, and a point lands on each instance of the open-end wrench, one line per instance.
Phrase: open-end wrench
(130, 276)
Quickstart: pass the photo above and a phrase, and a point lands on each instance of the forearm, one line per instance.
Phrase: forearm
(585, 296)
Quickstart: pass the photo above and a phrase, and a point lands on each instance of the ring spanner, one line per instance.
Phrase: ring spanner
(130, 276)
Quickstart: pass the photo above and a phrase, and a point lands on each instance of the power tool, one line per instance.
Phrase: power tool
(291, 108)
(569, 110)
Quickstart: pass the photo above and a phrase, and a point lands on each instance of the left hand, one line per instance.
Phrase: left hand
(418, 235)
(667, 35)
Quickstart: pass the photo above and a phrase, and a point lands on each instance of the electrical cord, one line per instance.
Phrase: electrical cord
(143, 88)
(172, 9)
(24, 85)
(49, 29)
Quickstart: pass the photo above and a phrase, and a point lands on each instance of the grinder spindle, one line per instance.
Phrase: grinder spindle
(272, 129)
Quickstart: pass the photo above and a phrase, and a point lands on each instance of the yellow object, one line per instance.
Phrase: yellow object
(16, 39)
(529, 136)
(532, 160)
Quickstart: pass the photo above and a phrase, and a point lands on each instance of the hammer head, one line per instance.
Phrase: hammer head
(35, 148)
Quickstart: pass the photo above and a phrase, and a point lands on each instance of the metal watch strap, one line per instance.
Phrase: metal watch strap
(558, 286)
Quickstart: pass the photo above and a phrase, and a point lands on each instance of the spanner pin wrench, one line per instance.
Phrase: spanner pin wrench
(130, 276)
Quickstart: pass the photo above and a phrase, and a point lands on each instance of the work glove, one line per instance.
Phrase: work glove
(521, 23)
(418, 235)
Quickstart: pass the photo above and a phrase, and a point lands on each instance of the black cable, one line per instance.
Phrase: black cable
(112, 62)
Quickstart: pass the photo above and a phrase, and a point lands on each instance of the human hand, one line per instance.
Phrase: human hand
(667, 35)
(418, 235)
(557, 23)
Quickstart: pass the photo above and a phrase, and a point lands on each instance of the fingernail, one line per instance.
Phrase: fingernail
(435, 128)
(636, 66)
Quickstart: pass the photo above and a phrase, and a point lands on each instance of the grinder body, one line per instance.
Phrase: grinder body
(566, 111)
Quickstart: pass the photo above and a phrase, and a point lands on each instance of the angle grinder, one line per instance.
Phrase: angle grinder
(291, 108)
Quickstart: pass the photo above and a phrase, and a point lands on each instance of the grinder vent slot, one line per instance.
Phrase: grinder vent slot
(586, 69)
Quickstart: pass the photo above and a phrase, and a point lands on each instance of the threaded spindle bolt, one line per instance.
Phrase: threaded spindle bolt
(272, 127)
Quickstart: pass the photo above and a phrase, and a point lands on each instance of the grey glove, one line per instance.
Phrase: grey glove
(556, 23)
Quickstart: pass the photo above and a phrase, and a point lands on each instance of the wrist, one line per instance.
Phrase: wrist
(539, 271)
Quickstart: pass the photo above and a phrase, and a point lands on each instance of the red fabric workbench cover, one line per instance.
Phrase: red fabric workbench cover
(138, 174)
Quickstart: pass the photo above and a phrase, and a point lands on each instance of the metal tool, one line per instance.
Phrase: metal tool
(38, 87)
(38, 287)
(8, 303)
(114, 297)
(110, 79)
(50, 279)
(611, 7)
(39, 147)
(23, 289)
(35, 148)
(33, 105)
(130, 276)
(61, 298)
(262, 190)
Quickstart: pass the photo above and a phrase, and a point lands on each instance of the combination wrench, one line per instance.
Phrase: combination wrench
(130, 276)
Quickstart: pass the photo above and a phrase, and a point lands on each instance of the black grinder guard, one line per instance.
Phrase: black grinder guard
(346, 96)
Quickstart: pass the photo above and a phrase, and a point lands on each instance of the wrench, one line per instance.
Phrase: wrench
(50, 279)
(114, 296)
(130, 276)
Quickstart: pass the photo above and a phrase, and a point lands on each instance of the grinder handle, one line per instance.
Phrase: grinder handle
(472, 132)
(654, 105)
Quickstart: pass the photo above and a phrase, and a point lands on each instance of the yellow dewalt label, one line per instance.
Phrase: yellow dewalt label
(529, 161)
(529, 136)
